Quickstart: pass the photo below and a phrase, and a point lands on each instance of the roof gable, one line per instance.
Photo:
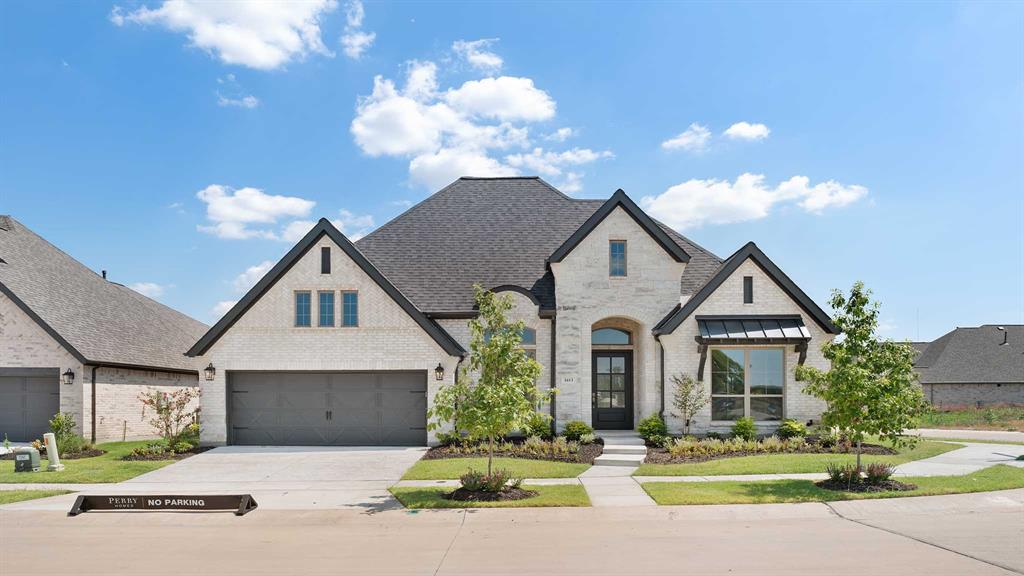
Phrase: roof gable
(974, 355)
(620, 200)
(322, 228)
(731, 264)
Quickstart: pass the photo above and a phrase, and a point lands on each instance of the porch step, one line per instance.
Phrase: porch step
(631, 460)
(624, 449)
(624, 438)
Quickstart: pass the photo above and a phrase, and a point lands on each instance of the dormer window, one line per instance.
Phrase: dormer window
(617, 258)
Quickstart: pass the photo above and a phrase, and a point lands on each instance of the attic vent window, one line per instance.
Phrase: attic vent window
(748, 289)
(325, 260)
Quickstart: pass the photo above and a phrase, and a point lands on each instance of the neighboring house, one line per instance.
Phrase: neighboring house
(973, 366)
(345, 343)
(72, 341)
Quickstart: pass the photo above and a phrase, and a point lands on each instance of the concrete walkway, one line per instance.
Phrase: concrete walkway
(609, 482)
(988, 435)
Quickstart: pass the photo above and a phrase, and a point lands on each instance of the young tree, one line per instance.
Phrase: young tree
(173, 411)
(872, 387)
(688, 397)
(505, 395)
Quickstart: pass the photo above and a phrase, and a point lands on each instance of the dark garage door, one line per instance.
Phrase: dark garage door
(28, 399)
(328, 409)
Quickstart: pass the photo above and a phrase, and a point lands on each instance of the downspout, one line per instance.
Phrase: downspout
(455, 379)
(93, 415)
(551, 369)
(661, 369)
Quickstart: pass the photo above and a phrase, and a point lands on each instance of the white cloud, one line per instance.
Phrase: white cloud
(477, 54)
(248, 101)
(246, 280)
(149, 289)
(356, 41)
(697, 202)
(747, 131)
(233, 94)
(351, 225)
(453, 132)
(221, 308)
(694, 139)
(561, 135)
(261, 34)
(232, 211)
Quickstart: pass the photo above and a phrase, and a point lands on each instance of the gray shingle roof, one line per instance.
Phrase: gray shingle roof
(492, 231)
(103, 322)
(974, 355)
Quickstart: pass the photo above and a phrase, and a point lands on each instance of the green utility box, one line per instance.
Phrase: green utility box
(26, 460)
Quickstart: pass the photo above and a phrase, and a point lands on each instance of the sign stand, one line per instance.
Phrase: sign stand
(241, 504)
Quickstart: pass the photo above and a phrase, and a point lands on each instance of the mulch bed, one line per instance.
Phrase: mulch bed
(586, 454)
(507, 493)
(72, 456)
(662, 456)
(164, 455)
(883, 486)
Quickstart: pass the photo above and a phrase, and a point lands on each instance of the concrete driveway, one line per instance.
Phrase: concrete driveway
(278, 477)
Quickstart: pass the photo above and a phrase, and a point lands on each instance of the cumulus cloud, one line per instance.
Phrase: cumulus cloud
(747, 131)
(149, 289)
(693, 139)
(477, 54)
(260, 34)
(246, 280)
(221, 308)
(475, 129)
(697, 202)
(561, 135)
(232, 213)
(355, 41)
(351, 225)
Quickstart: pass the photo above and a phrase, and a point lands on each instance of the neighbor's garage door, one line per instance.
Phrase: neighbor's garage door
(28, 399)
(329, 409)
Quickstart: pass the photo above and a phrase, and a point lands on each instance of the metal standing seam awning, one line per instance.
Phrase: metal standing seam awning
(750, 330)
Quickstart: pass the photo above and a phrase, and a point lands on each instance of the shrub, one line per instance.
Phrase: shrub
(151, 449)
(744, 428)
(63, 427)
(450, 439)
(845, 473)
(656, 440)
(652, 426)
(878, 472)
(791, 429)
(475, 481)
(538, 425)
(713, 435)
(588, 438)
(576, 429)
(191, 434)
(181, 447)
(172, 412)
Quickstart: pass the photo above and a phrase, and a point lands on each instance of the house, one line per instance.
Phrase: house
(72, 341)
(344, 343)
(980, 366)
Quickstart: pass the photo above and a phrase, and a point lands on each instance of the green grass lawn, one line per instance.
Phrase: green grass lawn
(787, 463)
(452, 468)
(992, 418)
(998, 477)
(548, 496)
(11, 496)
(106, 468)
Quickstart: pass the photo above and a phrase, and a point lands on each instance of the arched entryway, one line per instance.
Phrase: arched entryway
(613, 374)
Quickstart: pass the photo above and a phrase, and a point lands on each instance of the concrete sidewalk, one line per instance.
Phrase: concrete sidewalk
(989, 435)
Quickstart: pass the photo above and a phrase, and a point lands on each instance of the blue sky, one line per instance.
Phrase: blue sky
(181, 145)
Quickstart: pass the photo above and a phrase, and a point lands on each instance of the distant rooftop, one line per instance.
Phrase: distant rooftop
(974, 355)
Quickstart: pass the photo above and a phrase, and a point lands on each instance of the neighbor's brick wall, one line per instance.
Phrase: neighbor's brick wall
(24, 344)
(265, 338)
(682, 356)
(973, 395)
(118, 407)
(586, 295)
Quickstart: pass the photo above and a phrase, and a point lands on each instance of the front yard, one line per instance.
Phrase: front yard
(452, 468)
(789, 463)
(99, 469)
(573, 495)
(992, 418)
(998, 477)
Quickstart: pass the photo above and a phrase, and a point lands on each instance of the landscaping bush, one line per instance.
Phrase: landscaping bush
(652, 429)
(475, 481)
(713, 435)
(878, 472)
(791, 429)
(535, 446)
(842, 473)
(181, 447)
(744, 428)
(173, 412)
(450, 438)
(575, 430)
(538, 425)
(588, 438)
(690, 447)
(63, 427)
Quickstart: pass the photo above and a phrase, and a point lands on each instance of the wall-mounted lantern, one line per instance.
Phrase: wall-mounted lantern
(68, 377)
(439, 372)
(209, 372)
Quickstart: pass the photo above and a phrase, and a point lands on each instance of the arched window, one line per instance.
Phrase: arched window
(612, 336)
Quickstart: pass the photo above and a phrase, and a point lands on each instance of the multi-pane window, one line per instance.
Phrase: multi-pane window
(747, 382)
(302, 308)
(326, 308)
(610, 387)
(617, 258)
(350, 309)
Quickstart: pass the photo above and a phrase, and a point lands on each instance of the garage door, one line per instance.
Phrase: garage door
(28, 399)
(328, 409)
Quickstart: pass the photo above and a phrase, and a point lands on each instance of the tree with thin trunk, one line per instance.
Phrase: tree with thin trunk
(504, 396)
(688, 397)
(871, 388)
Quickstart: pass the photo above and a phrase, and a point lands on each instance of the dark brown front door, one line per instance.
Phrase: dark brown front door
(612, 396)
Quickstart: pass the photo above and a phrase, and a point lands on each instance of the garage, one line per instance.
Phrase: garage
(327, 408)
(28, 400)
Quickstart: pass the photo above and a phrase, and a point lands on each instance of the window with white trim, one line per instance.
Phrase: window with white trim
(747, 382)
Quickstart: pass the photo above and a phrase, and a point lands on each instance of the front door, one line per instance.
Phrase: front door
(612, 394)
